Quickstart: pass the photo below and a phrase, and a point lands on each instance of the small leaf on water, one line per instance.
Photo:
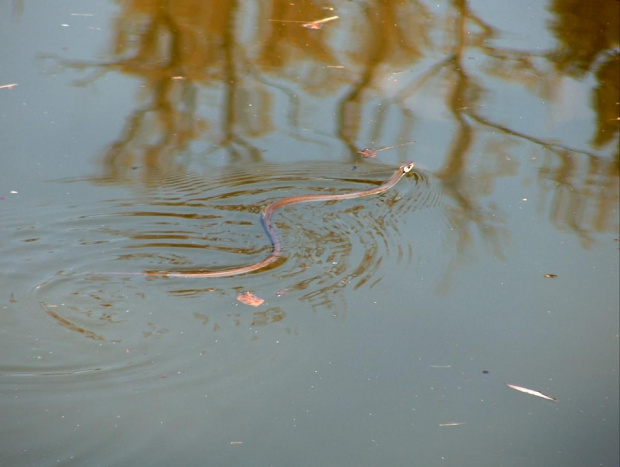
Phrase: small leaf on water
(248, 298)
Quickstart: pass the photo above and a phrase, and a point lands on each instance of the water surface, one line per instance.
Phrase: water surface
(146, 137)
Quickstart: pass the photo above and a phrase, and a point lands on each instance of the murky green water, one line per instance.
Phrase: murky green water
(148, 137)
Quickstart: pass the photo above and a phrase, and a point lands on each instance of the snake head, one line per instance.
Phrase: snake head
(406, 168)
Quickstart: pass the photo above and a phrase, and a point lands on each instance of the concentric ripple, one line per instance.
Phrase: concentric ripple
(181, 222)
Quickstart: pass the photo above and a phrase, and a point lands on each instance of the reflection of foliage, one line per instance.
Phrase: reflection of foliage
(606, 106)
(377, 52)
(589, 40)
(585, 30)
(70, 325)
(269, 316)
(584, 194)
(239, 61)
(589, 37)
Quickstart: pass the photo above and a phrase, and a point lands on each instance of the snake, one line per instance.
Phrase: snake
(267, 222)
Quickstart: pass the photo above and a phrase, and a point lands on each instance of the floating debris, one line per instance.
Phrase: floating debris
(370, 152)
(532, 392)
(318, 24)
(248, 298)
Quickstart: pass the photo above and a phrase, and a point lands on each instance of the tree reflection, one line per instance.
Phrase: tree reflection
(215, 72)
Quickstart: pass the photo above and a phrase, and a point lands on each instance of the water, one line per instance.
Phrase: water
(142, 138)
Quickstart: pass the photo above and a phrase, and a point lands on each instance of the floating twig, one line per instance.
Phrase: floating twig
(532, 392)
(370, 152)
(317, 24)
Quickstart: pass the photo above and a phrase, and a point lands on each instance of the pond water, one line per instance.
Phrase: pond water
(149, 137)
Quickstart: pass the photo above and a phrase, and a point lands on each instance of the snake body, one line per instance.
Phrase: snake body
(266, 219)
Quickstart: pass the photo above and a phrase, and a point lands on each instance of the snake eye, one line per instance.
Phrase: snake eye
(407, 167)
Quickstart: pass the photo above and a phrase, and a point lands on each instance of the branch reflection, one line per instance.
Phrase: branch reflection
(219, 77)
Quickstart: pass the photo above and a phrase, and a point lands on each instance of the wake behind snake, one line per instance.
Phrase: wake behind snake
(266, 219)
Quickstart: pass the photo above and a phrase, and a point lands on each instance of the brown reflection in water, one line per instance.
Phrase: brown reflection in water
(181, 48)
(270, 316)
(65, 323)
(388, 37)
(256, 319)
(589, 37)
(582, 210)
(237, 60)
(581, 194)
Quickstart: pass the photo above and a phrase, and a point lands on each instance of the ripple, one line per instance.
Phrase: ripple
(188, 223)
